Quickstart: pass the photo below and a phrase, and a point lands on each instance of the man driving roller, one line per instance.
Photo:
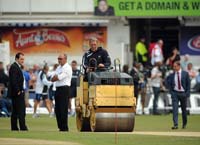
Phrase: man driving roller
(96, 57)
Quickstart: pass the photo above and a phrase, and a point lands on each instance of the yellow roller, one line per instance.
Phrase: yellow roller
(106, 103)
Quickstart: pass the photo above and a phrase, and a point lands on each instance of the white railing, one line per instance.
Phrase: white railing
(46, 6)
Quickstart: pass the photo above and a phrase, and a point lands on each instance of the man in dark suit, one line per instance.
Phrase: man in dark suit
(179, 87)
(16, 92)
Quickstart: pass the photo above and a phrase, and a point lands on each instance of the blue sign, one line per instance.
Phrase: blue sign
(190, 41)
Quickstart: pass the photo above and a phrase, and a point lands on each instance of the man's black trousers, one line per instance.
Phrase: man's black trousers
(61, 107)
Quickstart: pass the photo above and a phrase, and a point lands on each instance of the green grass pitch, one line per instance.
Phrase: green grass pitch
(45, 128)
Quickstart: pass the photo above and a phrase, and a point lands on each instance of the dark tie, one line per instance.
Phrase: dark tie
(179, 82)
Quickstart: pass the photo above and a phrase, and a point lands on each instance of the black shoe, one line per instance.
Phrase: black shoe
(14, 129)
(184, 127)
(175, 127)
(156, 113)
(24, 129)
(63, 130)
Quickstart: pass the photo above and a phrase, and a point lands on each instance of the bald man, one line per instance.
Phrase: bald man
(62, 78)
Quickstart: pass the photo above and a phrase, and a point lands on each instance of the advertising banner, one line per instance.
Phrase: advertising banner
(71, 40)
(5, 53)
(147, 7)
(190, 41)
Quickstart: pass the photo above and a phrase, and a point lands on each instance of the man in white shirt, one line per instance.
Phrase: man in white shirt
(157, 53)
(41, 91)
(63, 82)
(156, 81)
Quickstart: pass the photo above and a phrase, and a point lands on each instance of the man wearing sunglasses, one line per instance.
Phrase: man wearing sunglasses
(63, 81)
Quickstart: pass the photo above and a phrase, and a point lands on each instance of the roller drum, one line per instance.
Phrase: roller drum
(110, 122)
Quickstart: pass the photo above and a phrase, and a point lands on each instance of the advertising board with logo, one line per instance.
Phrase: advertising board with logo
(71, 40)
(146, 7)
(190, 41)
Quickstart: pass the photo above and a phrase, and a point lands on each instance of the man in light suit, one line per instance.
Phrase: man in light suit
(16, 92)
(179, 87)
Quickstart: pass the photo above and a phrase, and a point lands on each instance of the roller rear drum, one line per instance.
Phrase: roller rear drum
(110, 122)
